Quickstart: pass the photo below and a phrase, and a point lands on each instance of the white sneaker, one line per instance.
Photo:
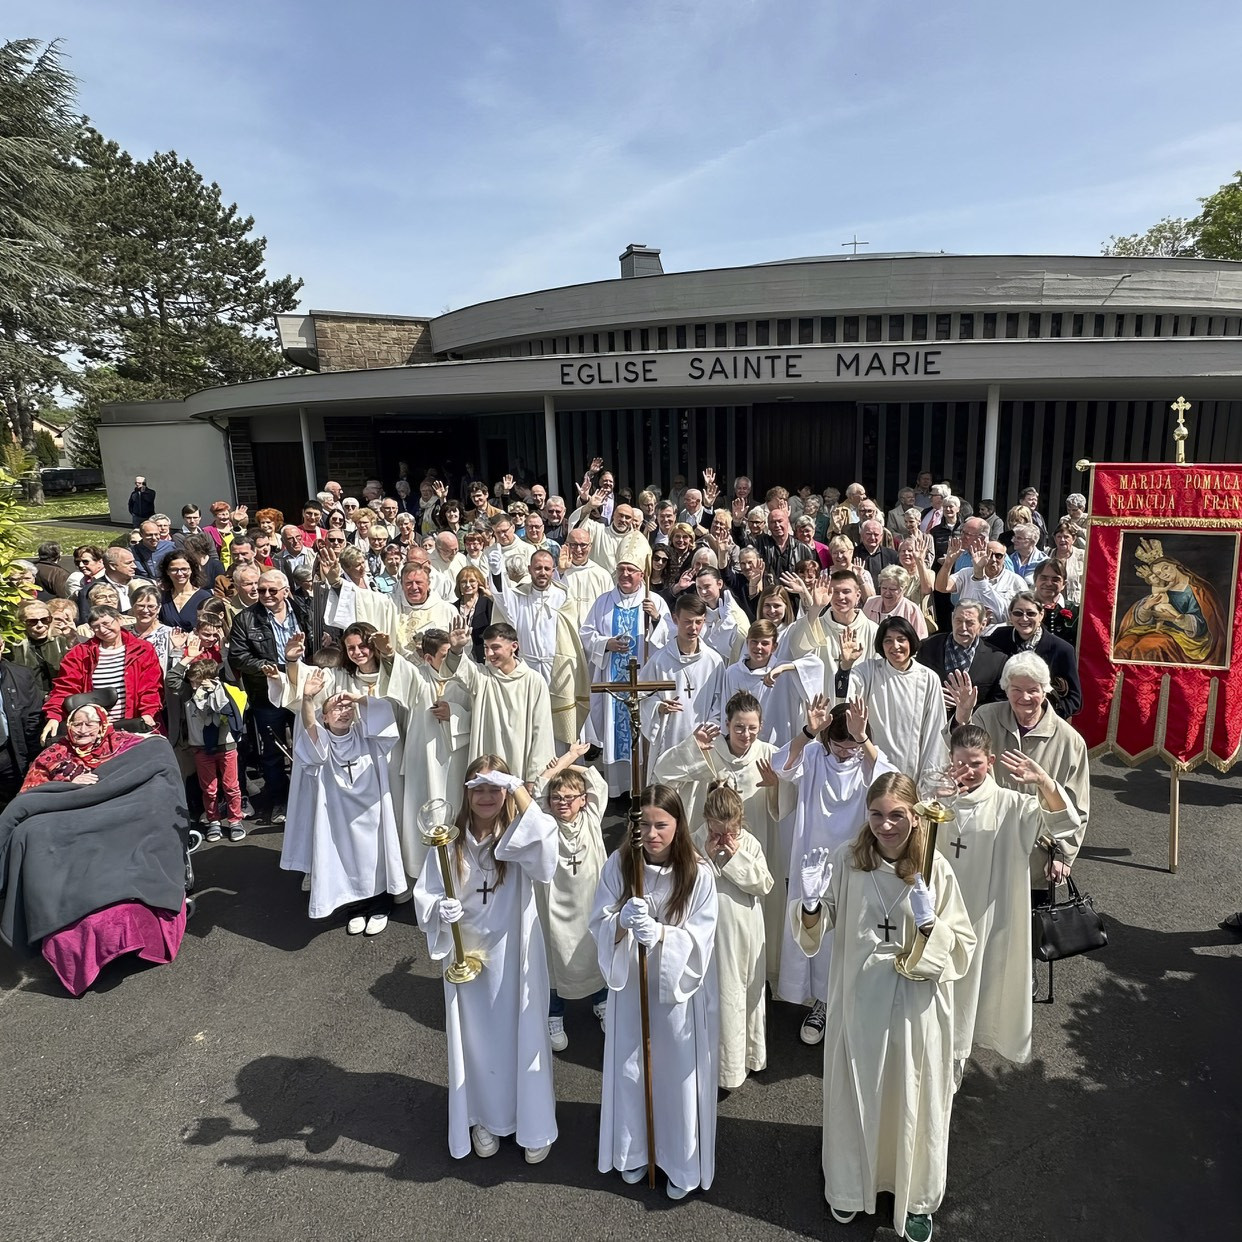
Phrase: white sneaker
(556, 1032)
(814, 1022)
(376, 924)
(485, 1142)
(537, 1155)
(677, 1193)
(600, 1010)
(631, 1177)
(306, 883)
(842, 1218)
(357, 925)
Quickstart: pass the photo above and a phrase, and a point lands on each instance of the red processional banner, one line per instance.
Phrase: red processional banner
(1160, 666)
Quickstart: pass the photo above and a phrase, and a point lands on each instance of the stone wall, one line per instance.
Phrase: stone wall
(361, 342)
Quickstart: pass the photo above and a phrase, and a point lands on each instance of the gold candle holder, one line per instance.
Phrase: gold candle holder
(465, 966)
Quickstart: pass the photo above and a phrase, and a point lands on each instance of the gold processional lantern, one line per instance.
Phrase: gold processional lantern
(436, 827)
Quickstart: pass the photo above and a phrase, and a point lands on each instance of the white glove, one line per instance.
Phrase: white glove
(503, 780)
(450, 910)
(495, 560)
(647, 932)
(815, 874)
(922, 902)
(633, 913)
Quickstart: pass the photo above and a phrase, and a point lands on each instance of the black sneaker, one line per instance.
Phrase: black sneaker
(814, 1022)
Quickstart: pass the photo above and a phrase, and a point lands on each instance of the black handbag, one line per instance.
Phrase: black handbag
(1066, 928)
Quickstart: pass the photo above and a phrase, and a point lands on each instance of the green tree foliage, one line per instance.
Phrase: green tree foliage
(182, 298)
(1215, 233)
(40, 315)
(1219, 224)
(14, 537)
(45, 448)
(1168, 239)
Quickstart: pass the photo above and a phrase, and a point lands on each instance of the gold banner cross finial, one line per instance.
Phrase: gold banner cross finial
(1181, 431)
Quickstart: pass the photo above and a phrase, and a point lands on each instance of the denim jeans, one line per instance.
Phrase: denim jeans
(556, 1006)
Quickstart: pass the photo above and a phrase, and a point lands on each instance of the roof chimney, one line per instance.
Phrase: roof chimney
(640, 260)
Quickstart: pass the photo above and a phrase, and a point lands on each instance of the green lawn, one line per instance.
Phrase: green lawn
(46, 522)
(77, 504)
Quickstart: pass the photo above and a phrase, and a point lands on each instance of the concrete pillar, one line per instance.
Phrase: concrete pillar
(549, 444)
(308, 452)
(991, 431)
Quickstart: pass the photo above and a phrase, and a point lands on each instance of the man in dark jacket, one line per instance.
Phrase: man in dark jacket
(19, 726)
(141, 501)
(258, 642)
(964, 650)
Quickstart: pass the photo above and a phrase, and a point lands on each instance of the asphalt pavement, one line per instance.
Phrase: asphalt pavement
(282, 1080)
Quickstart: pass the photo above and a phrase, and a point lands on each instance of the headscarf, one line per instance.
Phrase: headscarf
(62, 761)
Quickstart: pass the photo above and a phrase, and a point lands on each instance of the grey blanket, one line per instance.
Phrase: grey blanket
(68, 850)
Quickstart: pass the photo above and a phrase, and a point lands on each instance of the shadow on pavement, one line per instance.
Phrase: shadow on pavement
(308, 1105)
(1143, 1141)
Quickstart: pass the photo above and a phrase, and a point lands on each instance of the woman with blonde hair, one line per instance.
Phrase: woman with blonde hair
(898, 945)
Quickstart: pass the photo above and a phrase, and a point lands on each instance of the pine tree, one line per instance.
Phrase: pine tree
(40, 314)
(182, 297)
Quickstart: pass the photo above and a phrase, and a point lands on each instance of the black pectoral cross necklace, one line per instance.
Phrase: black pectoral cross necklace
(886, 927)
(349, 768)
(573, 861)
(958, 846)
(485, 890)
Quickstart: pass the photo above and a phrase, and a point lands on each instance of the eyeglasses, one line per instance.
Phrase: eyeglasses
(565, 797)
(269, 590)
(1024, 615)
(38, 620)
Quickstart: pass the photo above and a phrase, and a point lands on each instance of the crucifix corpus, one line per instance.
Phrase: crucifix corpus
(628, 694)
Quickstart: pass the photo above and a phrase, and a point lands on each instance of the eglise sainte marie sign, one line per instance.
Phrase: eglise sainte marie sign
(815, 366)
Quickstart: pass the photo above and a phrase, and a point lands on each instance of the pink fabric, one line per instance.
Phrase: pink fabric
(904, 608)
(78, 953)
(217, 780)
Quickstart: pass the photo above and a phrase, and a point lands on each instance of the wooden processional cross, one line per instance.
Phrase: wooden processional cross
(627, 695)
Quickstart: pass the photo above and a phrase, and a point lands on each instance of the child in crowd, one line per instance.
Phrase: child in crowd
(742, 881)
(212, 726)
(575, 797)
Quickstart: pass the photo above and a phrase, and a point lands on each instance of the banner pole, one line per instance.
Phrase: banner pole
(1174, 810)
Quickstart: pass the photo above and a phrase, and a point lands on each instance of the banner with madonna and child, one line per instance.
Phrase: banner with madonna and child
(1157, 652)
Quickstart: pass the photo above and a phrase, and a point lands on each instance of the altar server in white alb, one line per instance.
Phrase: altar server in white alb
(676, 922)
(540, 612)
(739, 758)
(671, 716)
(742, 882)
(830, 763)
(576, 798)
(510, 712)
(499, 1056)
(626, 623)
(341, 830)
(437, 712)
(899, 944)
(989, 846)
(905, 703)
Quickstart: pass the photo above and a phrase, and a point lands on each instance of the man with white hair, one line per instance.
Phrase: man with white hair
(693, 513)
(583, 579)
(543, 615)
(855, 494)
(871, 550)
(555, 526)
(896, 517)
(448, 558)
(933, 515)
(625, 622)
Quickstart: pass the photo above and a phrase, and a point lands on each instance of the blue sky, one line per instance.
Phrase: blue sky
(409, 157)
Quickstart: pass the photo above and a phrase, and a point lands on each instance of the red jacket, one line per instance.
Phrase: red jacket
(144, 680)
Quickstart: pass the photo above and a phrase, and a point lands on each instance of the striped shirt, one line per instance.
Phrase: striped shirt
(110, 673)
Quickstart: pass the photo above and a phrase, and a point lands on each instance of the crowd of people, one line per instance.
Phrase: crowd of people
(375, 667)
